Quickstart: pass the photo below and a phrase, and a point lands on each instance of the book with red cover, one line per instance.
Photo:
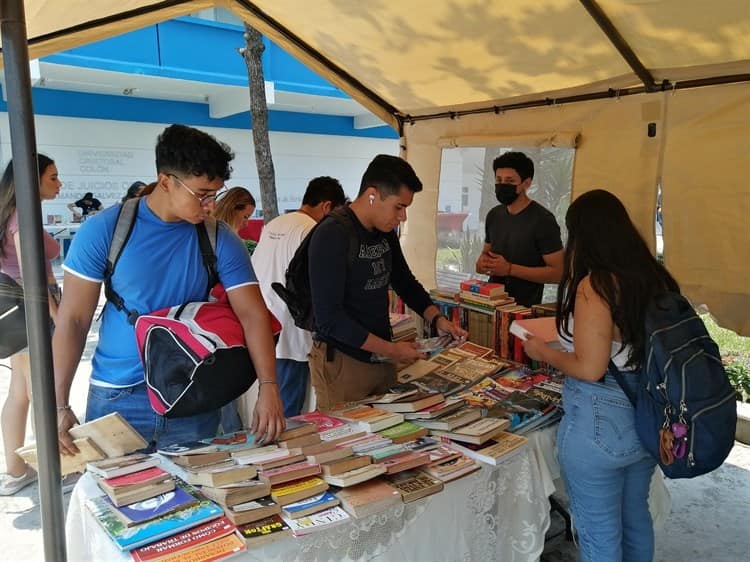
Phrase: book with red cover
(191, 538)
(288, 473)
(483, 288)
(143, 477)
(322, 422)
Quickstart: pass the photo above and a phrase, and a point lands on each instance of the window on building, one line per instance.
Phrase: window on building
(467, 182)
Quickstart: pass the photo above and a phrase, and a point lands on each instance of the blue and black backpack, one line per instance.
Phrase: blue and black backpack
(684, 388)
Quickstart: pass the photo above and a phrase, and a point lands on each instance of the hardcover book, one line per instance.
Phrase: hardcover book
(318, 521)
(310, 505)
(128, 538)
(112, 434)
(201, 534)
(264, 531)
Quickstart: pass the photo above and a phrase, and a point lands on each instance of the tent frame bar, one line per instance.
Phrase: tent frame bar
(36, 294)
(622, 46)
(610, 93)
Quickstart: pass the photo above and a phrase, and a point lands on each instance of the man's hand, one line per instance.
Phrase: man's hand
(268, 415)
(497, 265)
(65, 420)
(404, 353)
(445, 326)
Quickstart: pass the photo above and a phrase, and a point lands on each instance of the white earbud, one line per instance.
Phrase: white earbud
(372, 199)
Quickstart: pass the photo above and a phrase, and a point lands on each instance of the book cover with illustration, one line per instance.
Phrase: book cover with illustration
(157, 506)
(180, 542)
(128, 538)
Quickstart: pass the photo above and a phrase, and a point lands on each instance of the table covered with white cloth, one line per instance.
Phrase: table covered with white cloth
(496, 513)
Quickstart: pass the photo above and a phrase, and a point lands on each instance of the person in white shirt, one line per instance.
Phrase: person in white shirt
(278, 242)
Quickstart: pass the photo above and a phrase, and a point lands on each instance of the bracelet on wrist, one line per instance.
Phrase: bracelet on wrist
(435, 319)
(267, 382)
(64, 408)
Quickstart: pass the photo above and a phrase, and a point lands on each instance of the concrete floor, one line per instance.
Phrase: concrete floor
(709, 522)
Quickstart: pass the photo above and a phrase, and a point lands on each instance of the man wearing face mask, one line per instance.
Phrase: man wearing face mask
(522, 246)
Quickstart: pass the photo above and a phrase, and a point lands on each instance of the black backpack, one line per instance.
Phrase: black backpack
(296, 294)
(683, 389)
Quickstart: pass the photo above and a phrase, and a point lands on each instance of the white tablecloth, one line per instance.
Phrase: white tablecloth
(496, 513)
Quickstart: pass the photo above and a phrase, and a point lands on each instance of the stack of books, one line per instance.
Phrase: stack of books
(403, 327)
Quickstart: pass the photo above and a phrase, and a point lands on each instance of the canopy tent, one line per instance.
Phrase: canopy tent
(590, 74)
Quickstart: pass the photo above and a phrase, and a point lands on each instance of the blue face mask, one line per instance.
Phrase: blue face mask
(506, 193)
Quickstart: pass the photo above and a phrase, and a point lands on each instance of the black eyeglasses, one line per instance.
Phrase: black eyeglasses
(202, 201)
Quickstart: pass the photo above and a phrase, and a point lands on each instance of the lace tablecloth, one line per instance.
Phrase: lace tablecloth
(497, 513)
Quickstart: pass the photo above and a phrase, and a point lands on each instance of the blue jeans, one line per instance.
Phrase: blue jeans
(230, 418)
(606, 471)
(293, 377)
(132, 404)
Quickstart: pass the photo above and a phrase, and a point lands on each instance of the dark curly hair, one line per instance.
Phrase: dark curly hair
(187, 151)
(604, 243)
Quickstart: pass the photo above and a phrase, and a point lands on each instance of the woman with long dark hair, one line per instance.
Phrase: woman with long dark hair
(15, 410)
(609, 277)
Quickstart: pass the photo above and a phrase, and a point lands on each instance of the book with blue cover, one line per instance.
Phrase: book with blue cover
(311, 505)
(155, 507)
(128, 538)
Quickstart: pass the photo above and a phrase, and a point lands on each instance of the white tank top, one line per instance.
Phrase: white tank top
(619, 356)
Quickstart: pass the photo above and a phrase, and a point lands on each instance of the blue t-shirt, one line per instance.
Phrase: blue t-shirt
(160, 266)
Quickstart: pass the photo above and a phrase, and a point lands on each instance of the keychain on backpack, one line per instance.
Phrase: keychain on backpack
(679, 446)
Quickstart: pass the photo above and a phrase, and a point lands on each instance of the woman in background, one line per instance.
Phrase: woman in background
(15, 410)
(234, 207)
(608, 279)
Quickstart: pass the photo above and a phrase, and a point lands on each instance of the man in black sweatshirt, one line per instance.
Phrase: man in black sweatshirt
(349, 288)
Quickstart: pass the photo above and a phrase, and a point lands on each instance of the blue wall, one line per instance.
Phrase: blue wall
(195, 49)
(123, 108)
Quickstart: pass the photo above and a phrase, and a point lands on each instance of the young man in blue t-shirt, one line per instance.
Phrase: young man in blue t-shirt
(160, 266)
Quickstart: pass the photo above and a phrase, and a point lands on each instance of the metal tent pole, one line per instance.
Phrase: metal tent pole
(23, 148)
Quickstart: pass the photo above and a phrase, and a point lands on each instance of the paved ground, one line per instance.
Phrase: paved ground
(710, 519)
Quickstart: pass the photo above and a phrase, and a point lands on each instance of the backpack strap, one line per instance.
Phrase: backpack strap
(342, 217)
(621, 381)
(123, 229)
(207, 232)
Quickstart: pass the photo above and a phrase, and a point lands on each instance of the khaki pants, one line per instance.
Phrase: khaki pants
(345, 379)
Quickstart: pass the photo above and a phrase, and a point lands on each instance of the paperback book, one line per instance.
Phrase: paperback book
(128, 538)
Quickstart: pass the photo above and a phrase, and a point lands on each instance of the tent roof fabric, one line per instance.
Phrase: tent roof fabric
(422, 57)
